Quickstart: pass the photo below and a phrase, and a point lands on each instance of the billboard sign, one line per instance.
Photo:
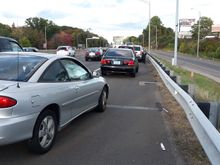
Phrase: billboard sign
(215, 28)
(186, 22)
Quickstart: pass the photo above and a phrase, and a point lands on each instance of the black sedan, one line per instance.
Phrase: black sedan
(120, 61)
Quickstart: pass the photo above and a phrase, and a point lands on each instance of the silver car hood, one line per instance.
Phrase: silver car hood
(5, 84)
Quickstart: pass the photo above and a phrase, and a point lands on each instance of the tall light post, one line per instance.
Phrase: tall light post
(174, 62)
(156, 45)
(45, 35)
(149, 29)
(149, 14)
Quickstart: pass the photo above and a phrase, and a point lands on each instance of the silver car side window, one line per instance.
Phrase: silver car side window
(54, 73)
(74, 70)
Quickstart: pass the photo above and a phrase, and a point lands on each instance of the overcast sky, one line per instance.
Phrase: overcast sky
(106, 18)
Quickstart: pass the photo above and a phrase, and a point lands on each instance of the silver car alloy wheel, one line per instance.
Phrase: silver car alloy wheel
(46, 131)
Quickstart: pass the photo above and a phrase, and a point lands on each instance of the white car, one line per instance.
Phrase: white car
(139, 52)
(65, 51)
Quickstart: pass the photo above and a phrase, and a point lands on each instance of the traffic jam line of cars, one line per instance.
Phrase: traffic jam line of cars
(41, 93)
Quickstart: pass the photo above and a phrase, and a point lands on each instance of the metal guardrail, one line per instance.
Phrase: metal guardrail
(206, 133)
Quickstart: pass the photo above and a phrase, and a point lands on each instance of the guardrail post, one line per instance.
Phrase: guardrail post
(167, 72)
(211, 111)
(214, 113)
(185, 88)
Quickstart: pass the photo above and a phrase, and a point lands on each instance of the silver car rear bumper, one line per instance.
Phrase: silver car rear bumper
(16, 129)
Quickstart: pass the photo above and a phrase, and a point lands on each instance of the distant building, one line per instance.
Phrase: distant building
(117, 40)
(185, 27)
(216, 30)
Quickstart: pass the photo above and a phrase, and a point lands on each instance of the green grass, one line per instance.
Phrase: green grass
(205, 88)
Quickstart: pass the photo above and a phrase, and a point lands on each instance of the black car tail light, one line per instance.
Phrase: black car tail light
(6, 102)
(129, 62)
(105, 61)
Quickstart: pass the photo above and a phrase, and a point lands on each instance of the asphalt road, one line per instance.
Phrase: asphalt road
(208, 68)
(129, 132)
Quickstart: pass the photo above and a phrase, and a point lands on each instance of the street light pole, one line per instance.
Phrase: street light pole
(174, 62)
(45, 34)
(198, 40)
(156, 37)
(149, 29)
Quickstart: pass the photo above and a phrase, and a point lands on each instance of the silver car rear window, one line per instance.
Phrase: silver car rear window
(19, 68)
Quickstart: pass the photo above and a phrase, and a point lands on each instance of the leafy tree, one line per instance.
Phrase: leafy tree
(5, 30)
(17, 33)
(165, 36)
(37, 23)
(205, 27)
(24, 41)
(61, 38)
(131, 39)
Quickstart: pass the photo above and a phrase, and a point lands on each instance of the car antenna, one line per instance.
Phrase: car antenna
(18, 65)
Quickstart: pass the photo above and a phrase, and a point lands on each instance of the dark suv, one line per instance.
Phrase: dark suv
(9, 45)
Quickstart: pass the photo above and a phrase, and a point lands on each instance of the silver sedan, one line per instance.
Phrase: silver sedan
(41, 93)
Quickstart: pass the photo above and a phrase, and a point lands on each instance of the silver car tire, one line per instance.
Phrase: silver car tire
(102, 101)
(44, 133)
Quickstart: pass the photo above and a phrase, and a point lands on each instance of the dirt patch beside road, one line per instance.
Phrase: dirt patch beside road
(181, 131)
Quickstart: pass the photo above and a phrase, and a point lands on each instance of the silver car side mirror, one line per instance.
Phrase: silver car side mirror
(95, 74)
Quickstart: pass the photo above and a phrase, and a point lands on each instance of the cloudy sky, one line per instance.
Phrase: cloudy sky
(106, 18)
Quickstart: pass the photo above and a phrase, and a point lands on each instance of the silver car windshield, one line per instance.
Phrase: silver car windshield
(19, 68)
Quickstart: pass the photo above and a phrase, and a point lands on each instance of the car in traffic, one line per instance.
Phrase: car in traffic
(140, 53)
(65, 51)
(119, 60)
(30, 49)
(8, 44)
(41, 93)
(94, 53)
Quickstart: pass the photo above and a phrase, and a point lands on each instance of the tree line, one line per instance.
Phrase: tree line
(38, 31)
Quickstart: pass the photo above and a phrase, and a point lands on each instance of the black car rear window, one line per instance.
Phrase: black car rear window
(118, 52)
(19, 68)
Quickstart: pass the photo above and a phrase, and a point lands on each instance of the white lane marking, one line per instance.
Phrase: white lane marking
(165, 110)
(133, 107)
(162, 146)
(143, 83)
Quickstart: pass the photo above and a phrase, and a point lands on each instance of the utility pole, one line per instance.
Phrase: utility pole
(198, 40)
(149, 29)
(174, 62)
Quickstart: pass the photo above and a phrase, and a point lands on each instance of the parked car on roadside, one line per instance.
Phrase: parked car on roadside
(119, 60)
(41, 93)
(94, 54)
(9, 45)
(65, 51)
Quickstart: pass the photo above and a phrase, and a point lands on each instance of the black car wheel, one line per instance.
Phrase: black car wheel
(103, 72)
(44, 133)
(133, 74)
